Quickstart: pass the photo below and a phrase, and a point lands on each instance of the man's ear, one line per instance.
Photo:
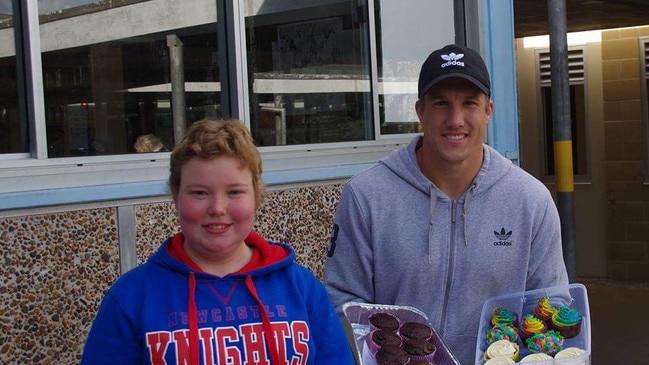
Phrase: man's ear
(490, 109)
(418, 106)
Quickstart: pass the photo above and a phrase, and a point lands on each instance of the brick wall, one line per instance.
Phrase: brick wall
(628, 196)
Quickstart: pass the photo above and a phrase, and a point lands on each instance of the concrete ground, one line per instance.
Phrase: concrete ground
(619, 322)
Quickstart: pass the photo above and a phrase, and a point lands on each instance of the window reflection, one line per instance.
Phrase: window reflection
(14, 135)
(308, 69)
(101, 95)
(404, 38)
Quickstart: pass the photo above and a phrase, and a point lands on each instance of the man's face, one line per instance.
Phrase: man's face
(454, 115)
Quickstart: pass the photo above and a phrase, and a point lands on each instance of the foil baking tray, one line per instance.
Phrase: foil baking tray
(357, 315)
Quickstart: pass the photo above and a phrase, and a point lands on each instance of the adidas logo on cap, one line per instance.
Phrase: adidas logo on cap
(452, 59)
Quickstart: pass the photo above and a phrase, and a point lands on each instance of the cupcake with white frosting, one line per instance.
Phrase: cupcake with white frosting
(536, 357)
(502, 348)
(499, 361)
(568, 353)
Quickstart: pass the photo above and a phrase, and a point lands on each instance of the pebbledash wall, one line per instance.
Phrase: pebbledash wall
(56, 266)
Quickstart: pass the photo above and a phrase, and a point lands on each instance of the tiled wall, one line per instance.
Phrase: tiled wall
(55, 267)
(628, 197)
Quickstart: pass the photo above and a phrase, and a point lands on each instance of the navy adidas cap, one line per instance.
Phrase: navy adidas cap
(454, 61)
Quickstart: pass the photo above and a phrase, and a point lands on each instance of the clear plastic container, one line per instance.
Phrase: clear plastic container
(357, 314)
(523, 303)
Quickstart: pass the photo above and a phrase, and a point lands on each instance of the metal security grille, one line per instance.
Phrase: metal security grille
(575, 67)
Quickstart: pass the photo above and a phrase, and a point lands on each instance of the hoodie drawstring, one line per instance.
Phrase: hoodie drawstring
(269, 335)
(465, 213)
(431, 224)
(193, 321)
(268, 328)
(431, 210)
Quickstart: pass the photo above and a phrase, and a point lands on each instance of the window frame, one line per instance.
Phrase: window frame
(34, 180)
(540, 84)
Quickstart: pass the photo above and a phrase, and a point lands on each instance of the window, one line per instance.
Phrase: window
(578, 117)
(327, 87)
(402, 45)
(14, 133)
(104, 89)
(311, 77)
(309, 72)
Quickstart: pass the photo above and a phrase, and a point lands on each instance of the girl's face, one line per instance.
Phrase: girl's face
(216, 208)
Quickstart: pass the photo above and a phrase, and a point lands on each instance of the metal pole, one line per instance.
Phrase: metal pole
(562, 130)
(177, 70)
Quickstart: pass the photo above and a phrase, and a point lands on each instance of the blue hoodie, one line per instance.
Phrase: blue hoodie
(399, 240)
(164, 312)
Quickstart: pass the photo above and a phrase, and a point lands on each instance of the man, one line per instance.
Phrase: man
(445, 222)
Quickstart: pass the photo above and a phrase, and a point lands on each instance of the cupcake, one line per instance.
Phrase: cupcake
(415, 330)
(570, 352)
(502, 348)
(549, 342)
(383, 321)
(536, 357)
(499, 361)
(501, 332)
(502, 315)
(419, 349)
(391, 355)
(544, 310)
(567, 321)
(380, 338)
(531, 325)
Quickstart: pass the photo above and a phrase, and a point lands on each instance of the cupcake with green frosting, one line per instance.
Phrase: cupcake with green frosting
(549, 342)
(501, 332)
(567, 321)
(502, 315)
(531, 325)
(544, 310)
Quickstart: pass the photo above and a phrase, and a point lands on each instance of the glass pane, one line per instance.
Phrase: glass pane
(405, 36)
(14, 135)
(107, 71)
(309, 71)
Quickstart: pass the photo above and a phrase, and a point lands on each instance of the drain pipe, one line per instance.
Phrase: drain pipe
(562, 131)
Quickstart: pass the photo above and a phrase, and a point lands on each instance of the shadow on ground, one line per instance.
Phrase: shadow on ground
(619, 321)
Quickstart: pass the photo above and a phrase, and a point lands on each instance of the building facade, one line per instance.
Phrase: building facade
(327, 87)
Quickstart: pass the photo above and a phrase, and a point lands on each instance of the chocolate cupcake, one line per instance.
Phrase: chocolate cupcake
(415, 330)
(381, 338)
(383, 321)
(419, 349)
(391, 355)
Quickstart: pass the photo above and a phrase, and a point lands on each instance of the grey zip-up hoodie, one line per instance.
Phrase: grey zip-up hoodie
(399, 240)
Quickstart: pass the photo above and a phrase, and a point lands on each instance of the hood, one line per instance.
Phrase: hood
(403, 162)
(268, 257)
